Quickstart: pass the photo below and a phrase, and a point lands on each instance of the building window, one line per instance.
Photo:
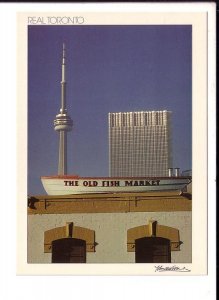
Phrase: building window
(69, 250)
(153, 243)
(152, 250)
(69, 243)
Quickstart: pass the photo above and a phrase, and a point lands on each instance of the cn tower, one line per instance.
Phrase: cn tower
(63, 123)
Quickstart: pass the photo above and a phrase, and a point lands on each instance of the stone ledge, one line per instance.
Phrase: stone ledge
(109, 203)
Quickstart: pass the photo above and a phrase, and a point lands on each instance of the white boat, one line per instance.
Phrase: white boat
(71, 184)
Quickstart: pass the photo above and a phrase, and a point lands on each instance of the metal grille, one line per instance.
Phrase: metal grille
(152, 250)
(69, 250)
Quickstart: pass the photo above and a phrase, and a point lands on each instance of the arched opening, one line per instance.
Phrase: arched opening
(69, 250)
(152, 250)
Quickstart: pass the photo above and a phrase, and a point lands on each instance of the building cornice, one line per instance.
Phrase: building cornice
(110, 203)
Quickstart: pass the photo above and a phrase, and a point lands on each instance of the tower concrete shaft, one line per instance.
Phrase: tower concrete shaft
(62, 167)
(63, 123)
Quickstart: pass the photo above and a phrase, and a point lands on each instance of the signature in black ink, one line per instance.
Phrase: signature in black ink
(172, 268)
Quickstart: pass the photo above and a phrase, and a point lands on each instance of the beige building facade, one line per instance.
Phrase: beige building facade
(110, 228)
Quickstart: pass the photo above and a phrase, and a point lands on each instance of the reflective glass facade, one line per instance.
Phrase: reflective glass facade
(140, 143)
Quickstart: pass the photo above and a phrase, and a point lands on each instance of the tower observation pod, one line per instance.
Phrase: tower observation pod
(63, 122)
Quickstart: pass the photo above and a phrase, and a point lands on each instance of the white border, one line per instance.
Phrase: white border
(197, 287)
(199, 116)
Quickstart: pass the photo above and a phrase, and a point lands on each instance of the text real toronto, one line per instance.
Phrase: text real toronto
(55, 20)
(111, 183)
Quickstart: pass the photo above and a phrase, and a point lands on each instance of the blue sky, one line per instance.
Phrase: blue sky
(109, 69)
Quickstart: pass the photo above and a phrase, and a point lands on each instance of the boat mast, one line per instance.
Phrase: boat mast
(63, 123)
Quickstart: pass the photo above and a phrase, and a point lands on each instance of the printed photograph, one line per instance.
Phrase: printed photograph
(109, 144)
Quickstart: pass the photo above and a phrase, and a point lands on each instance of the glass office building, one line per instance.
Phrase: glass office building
(140, 143)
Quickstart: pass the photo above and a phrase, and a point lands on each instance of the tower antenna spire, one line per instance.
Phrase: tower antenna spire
(63, 122)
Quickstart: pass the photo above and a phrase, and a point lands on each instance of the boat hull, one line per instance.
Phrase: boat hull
(67, 185)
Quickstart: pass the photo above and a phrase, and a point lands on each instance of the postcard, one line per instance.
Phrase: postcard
(113, 118)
